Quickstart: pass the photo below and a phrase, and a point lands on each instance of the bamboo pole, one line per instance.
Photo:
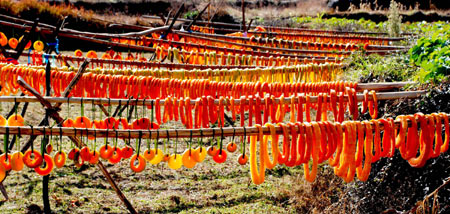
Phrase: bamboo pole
(218, 72)
(148, 102)
(169, 29)
(151, 134)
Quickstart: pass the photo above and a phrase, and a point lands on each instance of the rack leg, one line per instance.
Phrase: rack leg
(3, 190)
(45, 181)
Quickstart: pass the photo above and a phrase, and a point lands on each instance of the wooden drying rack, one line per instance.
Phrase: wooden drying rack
(320, 36)
(297, 43)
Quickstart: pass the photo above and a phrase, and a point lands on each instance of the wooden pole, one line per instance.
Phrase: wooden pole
(223, 72)
(140, 102)
(250, 24)
(151, 134)
(26, 38)
(167, 18)
(169, 29)
(243, 27)
(144, 64)
(54, 37)
(52, 112)
(46, 179)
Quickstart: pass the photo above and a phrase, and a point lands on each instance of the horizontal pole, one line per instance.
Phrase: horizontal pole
(138, 63)
(144, 30)
(382, 86)
(148, 102)
(148, 134)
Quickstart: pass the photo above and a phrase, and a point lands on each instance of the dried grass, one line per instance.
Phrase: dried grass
(324, 195)
(17, 7)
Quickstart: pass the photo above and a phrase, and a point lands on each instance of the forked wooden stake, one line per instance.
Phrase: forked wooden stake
(52, 112)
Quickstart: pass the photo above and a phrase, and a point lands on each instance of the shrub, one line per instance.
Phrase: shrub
(432, 54)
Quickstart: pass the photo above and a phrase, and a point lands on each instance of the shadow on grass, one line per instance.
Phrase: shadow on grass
(182, 206)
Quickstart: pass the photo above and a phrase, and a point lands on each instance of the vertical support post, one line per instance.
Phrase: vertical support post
(173, 21)
(243, 17)
(167, 18)
(26, 38)
(250, 24)
(46, 179)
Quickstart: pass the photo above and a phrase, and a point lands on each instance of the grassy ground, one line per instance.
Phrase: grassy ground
(209, 187)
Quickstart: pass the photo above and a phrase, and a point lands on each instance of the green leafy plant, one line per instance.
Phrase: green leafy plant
(191, 14)
(334, 23)
(432, 54)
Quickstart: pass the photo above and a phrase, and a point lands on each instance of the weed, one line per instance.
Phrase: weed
(376, 68)
(394, 19)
